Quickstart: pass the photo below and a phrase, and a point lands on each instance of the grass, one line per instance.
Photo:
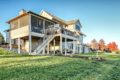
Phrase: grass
(58, 68)
(108, 56)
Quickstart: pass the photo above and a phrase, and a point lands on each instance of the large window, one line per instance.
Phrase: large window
(48, 24)
(36, 24)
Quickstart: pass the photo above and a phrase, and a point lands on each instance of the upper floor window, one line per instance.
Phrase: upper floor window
(36, 24)
(39, 22)
(48, 24)
(77, 27)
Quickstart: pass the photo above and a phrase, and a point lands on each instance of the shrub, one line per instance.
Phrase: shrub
(117, 52)
(6, 52)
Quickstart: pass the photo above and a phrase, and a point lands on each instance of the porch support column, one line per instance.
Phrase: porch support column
(81, 48)
(30, 43)
(44, 36)
(10, 44)
(30, 36)
(19, 37)
(61, 44)
(10, 40)
(54, 45)
(43, 26)
(73, 47)
(65, 46)
(43, 51)
(48, 48)
(82, 44)
(19, 45)
(44, 31)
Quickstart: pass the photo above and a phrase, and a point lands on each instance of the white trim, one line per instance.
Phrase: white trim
(37, 34)
(70, 37)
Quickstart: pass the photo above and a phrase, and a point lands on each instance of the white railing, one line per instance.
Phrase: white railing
(68, 32)
(49, 35)
(44, 44)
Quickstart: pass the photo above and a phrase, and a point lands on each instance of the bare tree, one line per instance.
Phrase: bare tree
(101, 44)
(94, 44)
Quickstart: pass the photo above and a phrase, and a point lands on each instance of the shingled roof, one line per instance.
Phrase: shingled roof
(61, 20)
(71, 21)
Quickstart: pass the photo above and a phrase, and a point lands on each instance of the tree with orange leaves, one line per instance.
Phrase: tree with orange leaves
(112, 46)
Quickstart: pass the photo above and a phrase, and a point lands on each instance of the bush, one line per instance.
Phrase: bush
(117, 52)
(6, 52)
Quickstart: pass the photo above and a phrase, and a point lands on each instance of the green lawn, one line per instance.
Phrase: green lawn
(58, 68)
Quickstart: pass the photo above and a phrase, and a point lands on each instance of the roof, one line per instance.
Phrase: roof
(61, 20)
(71, 21)
(27, 14)
(39, 15)
(54, 17)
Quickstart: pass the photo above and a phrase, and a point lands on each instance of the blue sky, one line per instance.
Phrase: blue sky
(99, 18)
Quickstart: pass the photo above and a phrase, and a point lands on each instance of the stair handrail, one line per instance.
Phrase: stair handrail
(46, 40)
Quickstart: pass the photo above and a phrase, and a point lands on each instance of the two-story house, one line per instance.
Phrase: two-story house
(44, 33)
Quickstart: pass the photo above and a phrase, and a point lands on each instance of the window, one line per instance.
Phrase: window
(39, 22)
(47, 24)
(36, 24)
(77, 27)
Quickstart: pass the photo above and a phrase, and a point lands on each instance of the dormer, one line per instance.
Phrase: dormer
(53, 17)
(45, 14)
(74, 25)
(78, 26)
